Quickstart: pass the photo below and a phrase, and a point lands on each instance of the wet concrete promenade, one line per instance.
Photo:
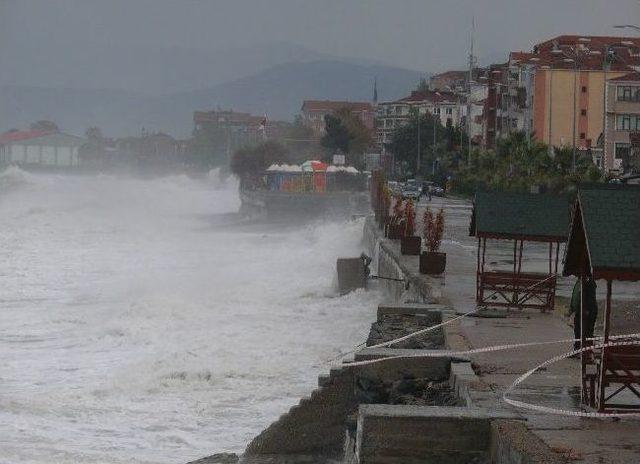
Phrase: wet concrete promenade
(558, 386)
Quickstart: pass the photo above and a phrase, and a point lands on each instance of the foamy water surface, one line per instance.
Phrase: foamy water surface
(143, 321)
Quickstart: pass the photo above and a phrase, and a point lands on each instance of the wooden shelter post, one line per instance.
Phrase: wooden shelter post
(586, 391)
(603, 356)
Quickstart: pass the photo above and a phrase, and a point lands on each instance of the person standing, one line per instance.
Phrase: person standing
(590, 310)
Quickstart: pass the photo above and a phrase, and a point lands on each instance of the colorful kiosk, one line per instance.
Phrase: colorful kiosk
(518, 217)
(604, 243)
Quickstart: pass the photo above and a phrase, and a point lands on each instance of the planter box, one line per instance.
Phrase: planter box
(395, 231)
(432, 262)
(410, 245)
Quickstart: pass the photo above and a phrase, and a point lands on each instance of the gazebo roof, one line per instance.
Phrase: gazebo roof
(605, 233)
(508, 215)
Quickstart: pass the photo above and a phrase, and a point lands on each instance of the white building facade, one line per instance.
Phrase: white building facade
(53, 150)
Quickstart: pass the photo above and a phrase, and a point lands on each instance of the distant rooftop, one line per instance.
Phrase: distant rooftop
(333, 105)
(40, 138)
(432, 96)
(631, 77)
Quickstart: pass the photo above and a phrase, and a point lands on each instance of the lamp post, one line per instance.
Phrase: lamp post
(419, 151)
(575, 59)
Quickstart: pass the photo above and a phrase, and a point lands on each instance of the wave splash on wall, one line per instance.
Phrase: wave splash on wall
(144, 321)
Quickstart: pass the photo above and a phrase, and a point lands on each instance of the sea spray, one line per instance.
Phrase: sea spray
(143, 321)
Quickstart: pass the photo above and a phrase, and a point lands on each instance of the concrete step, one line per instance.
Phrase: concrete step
(324, 380)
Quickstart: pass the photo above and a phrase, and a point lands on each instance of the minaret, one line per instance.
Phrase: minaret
(375, 91)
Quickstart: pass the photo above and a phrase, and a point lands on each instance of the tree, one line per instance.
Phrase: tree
(337, 136)
(360, 135)
(208, 147)
(93, 150)
(251, 161)
(346, 133)
(404, 142)
(44, 126)
(423, 85)
(94, 134)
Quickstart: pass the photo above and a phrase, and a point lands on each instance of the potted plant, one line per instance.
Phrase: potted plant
(395, 230)
(432, 261)
(410, 244)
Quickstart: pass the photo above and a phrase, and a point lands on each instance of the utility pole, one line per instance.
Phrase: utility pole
(471, 64)
(433, 150)
(419, 154)
(575, 102)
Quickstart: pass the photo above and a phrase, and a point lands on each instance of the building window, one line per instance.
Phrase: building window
(628, 93)
(449, 110)
(583, 112)
(622, 150)
(627, 122)
(436, 111)
(584, 89)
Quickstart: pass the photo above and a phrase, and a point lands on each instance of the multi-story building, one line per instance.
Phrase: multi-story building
(556, 91)
(448, 107)
(314, 111)
(622, 128)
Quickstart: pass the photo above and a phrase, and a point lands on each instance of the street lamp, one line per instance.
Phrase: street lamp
(575, 57)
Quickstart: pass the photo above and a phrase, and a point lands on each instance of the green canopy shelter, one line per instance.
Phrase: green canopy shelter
(518, 217)
(604, 243)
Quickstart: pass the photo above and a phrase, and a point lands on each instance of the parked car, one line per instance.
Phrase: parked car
(411, 192)
(437, 191)
(395, 188)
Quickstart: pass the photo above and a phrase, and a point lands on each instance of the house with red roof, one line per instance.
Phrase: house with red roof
(35, 148)
(556, 92)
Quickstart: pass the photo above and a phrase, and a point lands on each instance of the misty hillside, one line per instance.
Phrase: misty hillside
(278, 91)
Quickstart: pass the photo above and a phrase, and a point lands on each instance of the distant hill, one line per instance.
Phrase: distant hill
(278, 91)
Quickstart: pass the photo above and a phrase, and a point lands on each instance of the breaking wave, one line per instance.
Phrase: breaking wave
(138, 312)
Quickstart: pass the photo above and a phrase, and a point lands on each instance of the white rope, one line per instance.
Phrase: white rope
(522, 378)
(566, 412)
(403, 338)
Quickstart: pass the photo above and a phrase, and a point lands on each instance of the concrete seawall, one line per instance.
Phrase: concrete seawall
(360, 414)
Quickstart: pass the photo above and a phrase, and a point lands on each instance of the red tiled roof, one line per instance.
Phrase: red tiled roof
(331, 105)
(521, 56)
(430, 95)
(631, 77)
(591, 41)
(16, 136)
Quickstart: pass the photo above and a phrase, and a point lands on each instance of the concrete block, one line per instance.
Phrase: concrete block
(431, 311)
(435, 368)
(323, 380)
(393, 434)
(351, 275)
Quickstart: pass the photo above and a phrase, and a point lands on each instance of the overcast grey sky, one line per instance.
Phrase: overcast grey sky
(426, 35)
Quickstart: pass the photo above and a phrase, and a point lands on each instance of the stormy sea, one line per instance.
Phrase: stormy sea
(143, 320)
